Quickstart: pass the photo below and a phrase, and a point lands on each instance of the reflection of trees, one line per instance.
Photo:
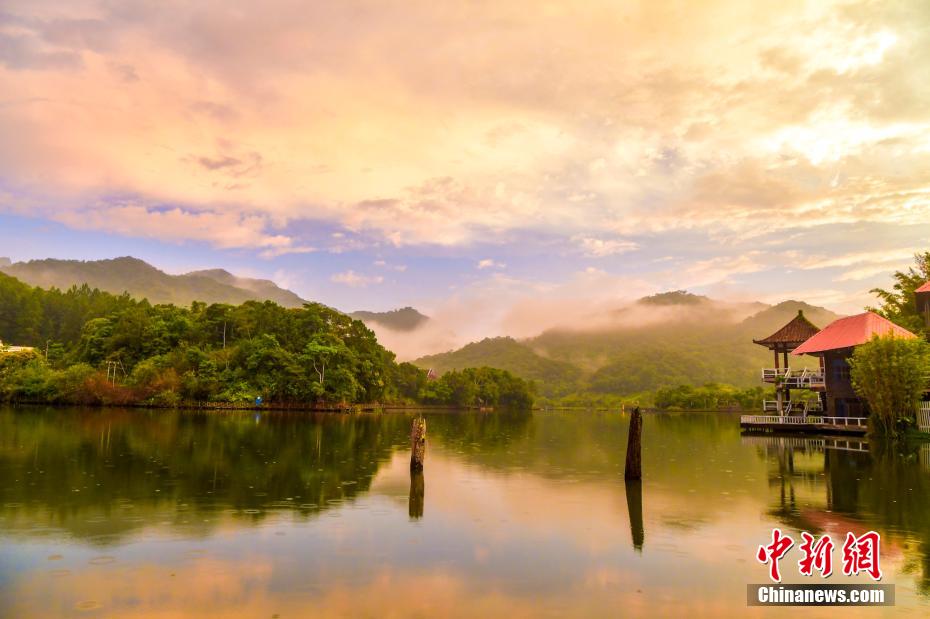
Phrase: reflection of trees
(68, 467)
(885, 488)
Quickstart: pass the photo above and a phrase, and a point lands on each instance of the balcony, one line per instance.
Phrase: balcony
(794, 379)
(793, 407)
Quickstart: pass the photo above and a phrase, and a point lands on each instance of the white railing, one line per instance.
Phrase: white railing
(795, 420)
(856, 422)
(923, 417)
(794, 379)
(805, 407)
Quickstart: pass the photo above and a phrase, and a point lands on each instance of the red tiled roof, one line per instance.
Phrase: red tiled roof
(799, 329)
(924, 288)
(851, 331)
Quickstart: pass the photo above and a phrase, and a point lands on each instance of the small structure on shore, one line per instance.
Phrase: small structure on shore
(6, 348)
(834, 346)
(839, 408)
(798, 330)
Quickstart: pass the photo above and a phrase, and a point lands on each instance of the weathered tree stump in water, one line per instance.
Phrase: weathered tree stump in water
(634, 459)
(417, 444)
(417, 495)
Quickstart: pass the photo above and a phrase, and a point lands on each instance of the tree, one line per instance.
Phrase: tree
(891, 373)
(898, 304)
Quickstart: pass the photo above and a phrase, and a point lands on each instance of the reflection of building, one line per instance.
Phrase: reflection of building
(834, 346)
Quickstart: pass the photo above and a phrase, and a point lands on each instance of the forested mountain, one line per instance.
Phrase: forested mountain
(95, 347)
(143, 281)
(696, 341)
(553, 377)
(403, 319)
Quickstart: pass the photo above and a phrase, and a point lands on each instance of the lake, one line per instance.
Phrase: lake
(137, 513)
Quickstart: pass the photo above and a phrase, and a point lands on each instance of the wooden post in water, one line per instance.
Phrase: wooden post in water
(417, 444)
(417, 495)
(634, 459)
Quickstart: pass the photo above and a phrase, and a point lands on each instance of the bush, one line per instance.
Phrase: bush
(890, 373)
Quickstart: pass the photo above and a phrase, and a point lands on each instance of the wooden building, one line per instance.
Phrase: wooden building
(797, 331)
(922, 298)
(834, 346)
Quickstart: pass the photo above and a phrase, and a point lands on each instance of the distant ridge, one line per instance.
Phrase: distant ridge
(682, 339)
(403, 319)
(142, 280)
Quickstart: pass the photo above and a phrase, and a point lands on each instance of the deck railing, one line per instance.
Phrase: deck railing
(794, 379)
(805, 407)
(855, 422)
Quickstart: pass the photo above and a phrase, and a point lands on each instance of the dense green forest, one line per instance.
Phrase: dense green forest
(95, 347)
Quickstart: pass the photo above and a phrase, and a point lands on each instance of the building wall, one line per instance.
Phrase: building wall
(842, 400)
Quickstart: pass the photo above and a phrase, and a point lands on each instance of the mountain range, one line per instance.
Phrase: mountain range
(676, 339)
(403, 319)
(663, 340)
(142, 280)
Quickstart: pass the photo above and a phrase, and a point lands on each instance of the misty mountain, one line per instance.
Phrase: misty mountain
(403, 319)
(691, 342)
(142, 280)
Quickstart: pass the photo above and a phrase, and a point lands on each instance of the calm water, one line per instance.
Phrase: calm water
(161, 514)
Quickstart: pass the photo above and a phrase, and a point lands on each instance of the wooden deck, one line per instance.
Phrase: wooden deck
(813, 424)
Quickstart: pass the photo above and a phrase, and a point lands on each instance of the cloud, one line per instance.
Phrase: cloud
(400, 268)
(598, 248)
(222, 229)
(489, 263)
(355, 280)
(707, 132)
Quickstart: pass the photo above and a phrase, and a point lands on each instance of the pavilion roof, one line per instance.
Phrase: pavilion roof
(849, 332)
(924, 288)
(798, 330)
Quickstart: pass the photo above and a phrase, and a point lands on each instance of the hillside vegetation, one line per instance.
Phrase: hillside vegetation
(694, 342)
(98, 348)
(143, 281)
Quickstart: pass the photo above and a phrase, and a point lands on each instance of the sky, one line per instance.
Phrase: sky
(474, 156)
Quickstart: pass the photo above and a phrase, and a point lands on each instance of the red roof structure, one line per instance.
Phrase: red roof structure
(924, 288)
(850, 331)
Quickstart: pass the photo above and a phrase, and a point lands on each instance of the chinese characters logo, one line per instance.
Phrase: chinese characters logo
(860, 554)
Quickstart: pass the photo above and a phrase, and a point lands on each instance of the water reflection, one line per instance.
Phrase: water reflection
(417, 495)
(634, 505)
(139, 513)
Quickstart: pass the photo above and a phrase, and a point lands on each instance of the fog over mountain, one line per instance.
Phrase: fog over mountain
(645, 345)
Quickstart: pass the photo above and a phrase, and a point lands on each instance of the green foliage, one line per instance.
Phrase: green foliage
(164, 354)
(143, 281)
(482, 386)
(712, 396)
(898, 304)
(554, 378)
(891, 373)
(681, 340)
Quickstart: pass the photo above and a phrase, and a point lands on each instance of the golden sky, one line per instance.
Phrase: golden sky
(683, 144)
